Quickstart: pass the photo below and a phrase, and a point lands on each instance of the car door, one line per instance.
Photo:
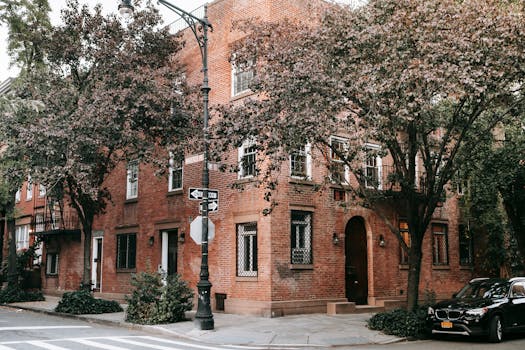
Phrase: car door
(517, 307)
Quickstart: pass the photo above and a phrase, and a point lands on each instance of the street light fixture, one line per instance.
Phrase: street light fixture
(204, 316)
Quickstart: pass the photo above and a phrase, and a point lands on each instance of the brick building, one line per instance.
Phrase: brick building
(314, 247)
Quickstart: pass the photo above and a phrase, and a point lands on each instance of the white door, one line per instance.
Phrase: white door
(169, 252)
(96, 267)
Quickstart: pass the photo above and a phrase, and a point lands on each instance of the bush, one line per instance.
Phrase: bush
(400, 322)
(82, 302)
(18, 295)
(155, 302)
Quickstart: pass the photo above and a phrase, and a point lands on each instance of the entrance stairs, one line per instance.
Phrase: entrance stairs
(340, 308)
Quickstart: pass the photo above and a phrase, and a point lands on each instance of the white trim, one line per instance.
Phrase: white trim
(164, 252)
(240, 155)
(170, 177)
(234, 73)
(344, 141)
(307, 149)
(94, 265)
(378, 165)
(132, 180)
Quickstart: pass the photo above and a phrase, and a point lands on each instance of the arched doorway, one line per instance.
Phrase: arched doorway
(356, 261)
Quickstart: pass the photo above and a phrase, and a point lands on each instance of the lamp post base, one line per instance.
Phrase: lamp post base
(204, 317)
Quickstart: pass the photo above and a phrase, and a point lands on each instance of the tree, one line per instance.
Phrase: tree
(426, 80)
(107, 90)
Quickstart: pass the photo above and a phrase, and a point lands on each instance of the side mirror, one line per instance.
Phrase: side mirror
(454, 295)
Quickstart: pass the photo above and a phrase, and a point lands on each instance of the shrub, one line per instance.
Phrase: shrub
(82, 302)
(400, 322)
(155, 302)
(18, 295)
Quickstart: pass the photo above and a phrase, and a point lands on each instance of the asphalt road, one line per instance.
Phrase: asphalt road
(27, 330)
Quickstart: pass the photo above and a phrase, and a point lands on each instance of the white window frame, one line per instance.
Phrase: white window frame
(132, 180)
(246, 74)
(306, 151)
(242, 153)
(22, 237)
(29, 189)
(335, 159)
(440, 233)
(378, 165)
(18, 195)
(39, 222)
(41, 191)
(173, 169)
(251, 236)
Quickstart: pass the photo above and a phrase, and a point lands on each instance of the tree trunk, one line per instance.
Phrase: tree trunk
(12, 271)
(414, 270)
(86, 276)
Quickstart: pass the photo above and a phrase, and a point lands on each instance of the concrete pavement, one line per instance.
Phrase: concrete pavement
(312, 330)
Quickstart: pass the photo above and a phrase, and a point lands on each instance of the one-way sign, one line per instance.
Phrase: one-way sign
(213, 206)
(196, 194)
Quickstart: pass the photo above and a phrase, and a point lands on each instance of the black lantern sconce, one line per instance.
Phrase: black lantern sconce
(182, 237)
(335, 239)
(382, 242)
(151, 240)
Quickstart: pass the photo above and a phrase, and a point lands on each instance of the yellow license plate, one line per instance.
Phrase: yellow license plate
(446, 324)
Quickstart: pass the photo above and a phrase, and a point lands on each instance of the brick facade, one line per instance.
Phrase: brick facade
(279, 287)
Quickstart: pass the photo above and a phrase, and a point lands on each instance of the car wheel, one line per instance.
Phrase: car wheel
(495, 329)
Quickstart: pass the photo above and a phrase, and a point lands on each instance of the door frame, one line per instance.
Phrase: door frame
(164, 247)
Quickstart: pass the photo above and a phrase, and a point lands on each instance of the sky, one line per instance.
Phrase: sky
(108, 6)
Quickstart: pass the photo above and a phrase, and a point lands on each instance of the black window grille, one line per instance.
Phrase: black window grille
(248, 160)
(465, 246)
(247, 249)
(440, 244)
(301, 237)
(298, 167)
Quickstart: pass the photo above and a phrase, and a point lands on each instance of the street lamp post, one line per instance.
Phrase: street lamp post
(204, 316)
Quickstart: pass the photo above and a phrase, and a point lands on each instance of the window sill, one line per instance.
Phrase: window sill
(403, 266)
(440, 267)
(52, 276)
(175, 192)
(301, 266)
(126, 270)
(131, 200)
(242, 95)
(466, 267)
(246, 278)
(301, 181)
(245, 180)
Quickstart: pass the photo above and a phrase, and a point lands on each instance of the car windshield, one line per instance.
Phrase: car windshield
(485, 290)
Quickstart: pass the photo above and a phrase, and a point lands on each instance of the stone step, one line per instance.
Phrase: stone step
(340, 308)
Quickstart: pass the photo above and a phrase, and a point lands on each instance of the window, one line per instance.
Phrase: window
(18, 194)
(175, 178)
(403, 231)
(439, 244)
(41, 191)
(247, 249)
(373, 167)
(465, 246)
(301, 237)
(132, 187)
(29, 189)
(22, 237)
(52, 264)
(126, 251)
(300, 163)
(247, 159)
(338, 169)
(242, 76)
(39, 222)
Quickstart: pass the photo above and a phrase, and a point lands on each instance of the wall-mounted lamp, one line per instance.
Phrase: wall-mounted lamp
(335, 239)
(151, 240)
(382, 241)
(182, 237)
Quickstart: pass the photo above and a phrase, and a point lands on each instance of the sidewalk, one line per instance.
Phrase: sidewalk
(313, 330)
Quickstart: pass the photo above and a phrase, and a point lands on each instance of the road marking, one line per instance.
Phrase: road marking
(40, 327)
(5, 348)
(45, 345)
(185, 345)
(98, 345)
(151, 346)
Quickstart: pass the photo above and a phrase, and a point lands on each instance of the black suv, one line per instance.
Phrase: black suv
(485, 306)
